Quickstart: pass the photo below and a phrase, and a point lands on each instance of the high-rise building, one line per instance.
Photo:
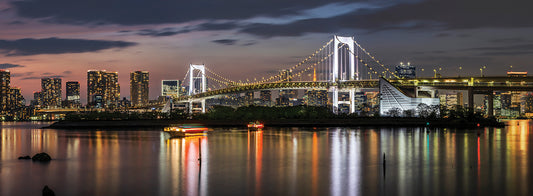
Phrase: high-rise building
(37, 99)
(170, 88)
(16, 100)
(73, 94)
(139, 87)
(249, 98)
(266, 97)
(51, 92)
(5, 79)
(317, 97)
(406, 70)
(103, 89)
(529, 105)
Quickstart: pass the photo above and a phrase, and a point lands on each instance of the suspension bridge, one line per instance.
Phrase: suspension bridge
(341, 65)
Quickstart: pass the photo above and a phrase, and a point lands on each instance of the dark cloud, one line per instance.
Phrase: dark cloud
(249, 43)
(504, 48)
(510, 40)
(423, 15)
(225, 41)
(161, 32)
(443, 35)
(170, 31)
(18, 74)
(9, 65)
(16, 22)
(67, 72)
(127, 12)
(41, 77)
(23, 47)
(510, 50)
(505, 53)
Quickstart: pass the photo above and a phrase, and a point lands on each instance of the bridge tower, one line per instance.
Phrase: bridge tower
(341, 72)
(193, 87)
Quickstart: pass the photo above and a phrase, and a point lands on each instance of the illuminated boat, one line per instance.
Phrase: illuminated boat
(184, 130)
(255, 125)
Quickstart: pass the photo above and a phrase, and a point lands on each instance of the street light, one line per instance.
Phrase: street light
(460, 69)
(435, 70)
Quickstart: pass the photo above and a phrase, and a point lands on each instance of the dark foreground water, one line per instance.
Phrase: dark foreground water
(275, 161)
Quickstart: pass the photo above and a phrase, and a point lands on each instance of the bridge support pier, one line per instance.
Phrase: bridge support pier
(191, 106)
(352, 101)
(490, 109)
(335, 101)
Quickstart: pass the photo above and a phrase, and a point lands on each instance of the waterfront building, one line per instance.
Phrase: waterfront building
(171, 88)
(51, 92)
(266, 97)
(16, 100)
(5, 79)
(37, 99)
(249, 98)
(317, 97)
(451, 100)
(72, 94)
(394, 101)
(529, 105)
(139, 82)
(517, 74)
(406, 70)
(103, 89)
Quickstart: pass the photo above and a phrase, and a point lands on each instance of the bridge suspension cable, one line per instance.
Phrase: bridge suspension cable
(375, 60)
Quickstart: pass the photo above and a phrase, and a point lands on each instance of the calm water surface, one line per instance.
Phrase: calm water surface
(275, 161)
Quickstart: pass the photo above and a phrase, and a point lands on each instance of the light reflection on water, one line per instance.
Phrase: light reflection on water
(275, 161)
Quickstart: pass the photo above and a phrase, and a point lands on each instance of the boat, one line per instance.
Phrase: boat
(184, 130)
(255, 125)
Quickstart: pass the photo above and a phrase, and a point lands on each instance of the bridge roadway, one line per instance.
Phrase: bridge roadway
(475, 85)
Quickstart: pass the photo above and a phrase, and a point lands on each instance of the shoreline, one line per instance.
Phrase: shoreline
(357, 122)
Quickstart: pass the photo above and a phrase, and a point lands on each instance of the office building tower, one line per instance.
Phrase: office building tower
(406, 70)
(73, 94)
(249, 98)
(37, 99)
(5, 78)
(139, 88)
(170, 88)
(266, 97)
(16, 100)
(528, 99)
(51, 92)
(103, 89)
(317, 97)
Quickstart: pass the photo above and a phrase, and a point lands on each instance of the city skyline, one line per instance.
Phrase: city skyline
(65, 38)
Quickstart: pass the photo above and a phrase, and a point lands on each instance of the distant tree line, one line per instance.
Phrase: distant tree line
(273, 113)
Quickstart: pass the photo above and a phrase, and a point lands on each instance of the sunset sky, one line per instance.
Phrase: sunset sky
(247, 38)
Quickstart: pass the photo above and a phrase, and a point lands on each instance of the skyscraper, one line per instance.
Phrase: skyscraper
(139, 87)
(170, 88)
(37, 99)
(104, 87)
(317, 97)
(16, 99)
(266, 97)
(51, 92)
(73, 94)
(5, 79)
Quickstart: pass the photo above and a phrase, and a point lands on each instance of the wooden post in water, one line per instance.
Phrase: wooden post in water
(384, 165)
(200, 150)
